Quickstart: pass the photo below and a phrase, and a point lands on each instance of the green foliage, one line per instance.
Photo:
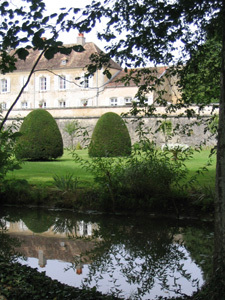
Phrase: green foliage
(40, 139)
(8, 138)
(199, 242)
(38, 220)
(137, 182)
(110, 137)
(72, 128)
(7, 245)
(18, 191)
(66, 183)
(178, 151)
(25, 25)
(213, 124)
(204, 197)
(18, 282)
(166, 128)
(200, 77)
(149, 178)
(78, 146)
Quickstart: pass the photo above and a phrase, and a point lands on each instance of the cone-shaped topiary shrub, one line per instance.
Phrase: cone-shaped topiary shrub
(41, 138)
(110, 137)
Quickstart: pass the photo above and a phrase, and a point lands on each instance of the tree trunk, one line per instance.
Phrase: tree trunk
(219, 241)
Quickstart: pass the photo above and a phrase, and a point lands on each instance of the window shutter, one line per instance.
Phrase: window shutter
(91, 81)
(23, 81)
(150, 99)
(8, 85)
(37, 84)
(47, 83)
(56, 83)
(67, 81)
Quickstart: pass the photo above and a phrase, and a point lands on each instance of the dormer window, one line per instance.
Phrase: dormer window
(64, 61)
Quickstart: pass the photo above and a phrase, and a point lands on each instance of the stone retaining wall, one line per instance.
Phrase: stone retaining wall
(88, 117)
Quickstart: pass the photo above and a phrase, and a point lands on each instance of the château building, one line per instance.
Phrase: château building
(61, 83)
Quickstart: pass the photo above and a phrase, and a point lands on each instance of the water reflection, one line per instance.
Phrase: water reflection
(134, 257)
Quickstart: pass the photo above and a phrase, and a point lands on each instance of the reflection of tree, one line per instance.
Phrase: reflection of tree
(66, 222)
(142, 249)
(199, 242)
(7, 245)
(65, 225)
(144, 252)
(10, 214)
(38, 220)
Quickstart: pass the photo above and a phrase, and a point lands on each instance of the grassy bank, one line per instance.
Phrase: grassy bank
(139, 191)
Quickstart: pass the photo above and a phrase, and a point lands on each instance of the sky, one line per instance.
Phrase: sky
(53, 6)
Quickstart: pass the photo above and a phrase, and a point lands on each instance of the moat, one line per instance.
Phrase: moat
(131, 256)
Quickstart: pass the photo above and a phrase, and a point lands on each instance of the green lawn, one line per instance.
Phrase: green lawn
(41, 173)
(200, 160)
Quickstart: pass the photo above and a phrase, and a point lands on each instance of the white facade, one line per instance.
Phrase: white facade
(61, 83)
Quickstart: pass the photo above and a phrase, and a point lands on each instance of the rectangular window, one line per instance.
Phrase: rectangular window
(3, 105)
(113, 101)
(84, 102)
(62, 82)
(127, 100)
(4, 86)
(86, 82)
(42, 104)
(24, 105)
(62, 103)
(24, 82)
(43, 84)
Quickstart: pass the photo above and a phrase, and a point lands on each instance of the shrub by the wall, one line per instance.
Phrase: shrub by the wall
(41, 138)
(110, 137)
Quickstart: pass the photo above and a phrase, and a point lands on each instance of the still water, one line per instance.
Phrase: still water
(134, 257)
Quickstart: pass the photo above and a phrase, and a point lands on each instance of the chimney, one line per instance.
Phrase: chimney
(81, 39)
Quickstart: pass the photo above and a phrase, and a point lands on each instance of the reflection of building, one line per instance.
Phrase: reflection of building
(85, 229)
(81, 229)
(41, 259)
(54, 248)
(55, 245)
